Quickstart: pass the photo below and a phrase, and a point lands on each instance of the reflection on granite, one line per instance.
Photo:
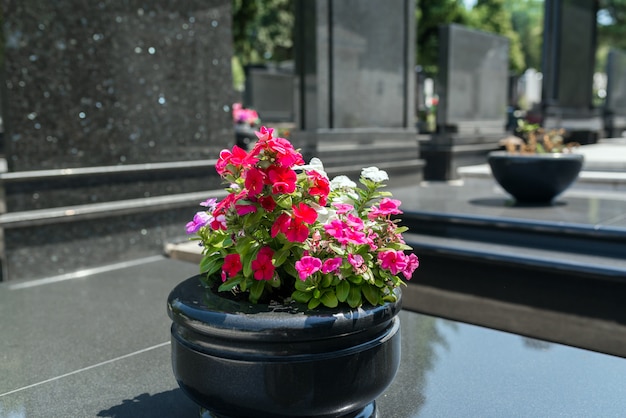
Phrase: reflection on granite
(59, 248)
(66, 190)
(106, 353)
(480, 200)
(112, 83)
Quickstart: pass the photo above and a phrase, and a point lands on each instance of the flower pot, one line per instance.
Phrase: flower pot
(236, 359)
(535, 178)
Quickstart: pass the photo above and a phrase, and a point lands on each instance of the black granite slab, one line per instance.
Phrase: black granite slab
(107, 83)
(99, 346)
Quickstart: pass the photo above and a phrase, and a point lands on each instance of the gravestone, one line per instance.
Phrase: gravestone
(269, 91)
(615, 104)
(355, 80)
(112, 115)
(568, 63)
(472, 84)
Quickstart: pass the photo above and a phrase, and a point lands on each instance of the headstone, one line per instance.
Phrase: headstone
(112, 112)
(269, 90)
(472, 85)
(568, 63)
(355, 83)
(615, 104)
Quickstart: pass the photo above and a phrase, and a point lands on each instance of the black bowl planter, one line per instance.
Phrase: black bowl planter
(235, 359)
(535, 178)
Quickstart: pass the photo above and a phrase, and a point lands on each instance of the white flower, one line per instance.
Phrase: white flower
(341, 182)
(315, 165)
(374, 174)
(324, 214)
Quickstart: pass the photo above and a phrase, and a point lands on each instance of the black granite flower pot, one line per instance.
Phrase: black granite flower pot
(236, 359)
(536, 178)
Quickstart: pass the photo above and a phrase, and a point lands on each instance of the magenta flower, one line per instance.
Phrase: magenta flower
(386, 207)
(200, 219)
(356, 260)
(412, 263)
(209, 203)
(331, 265)
(308, 265)
(231, 266)
(343, 208)
(394, 261)
(262, 265)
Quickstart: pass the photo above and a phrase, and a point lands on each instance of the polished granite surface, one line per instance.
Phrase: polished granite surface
(584, 208)
(98, 346)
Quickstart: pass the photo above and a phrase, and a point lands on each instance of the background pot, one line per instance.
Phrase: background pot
(241, 360)
(536, 178)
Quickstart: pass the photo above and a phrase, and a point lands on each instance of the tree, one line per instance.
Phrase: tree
(430, 14)
(527, 21)
(492, 16)
(262, 30)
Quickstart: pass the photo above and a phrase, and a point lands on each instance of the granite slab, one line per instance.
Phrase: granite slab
(97, 345)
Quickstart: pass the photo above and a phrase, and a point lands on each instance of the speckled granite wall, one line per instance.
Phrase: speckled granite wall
(107, 82)
(94, 95)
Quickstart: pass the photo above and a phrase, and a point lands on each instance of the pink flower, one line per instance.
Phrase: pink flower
(238, 158)
(394, 261)
(343, 208)
(412, 263)
(385, 207)
(244, 208)
(335, 229)
(356, 260)
(354, 222)
(282, 179)
(200, 219)
(267, 203)
(209, 203)
(331, 265)
(262, 265)
(254, 182)
(320, 186)
(232, 265)
(304, 213)
(308, 265)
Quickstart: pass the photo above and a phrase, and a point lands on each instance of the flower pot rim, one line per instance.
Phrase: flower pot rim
(544, 156)
(220, 316)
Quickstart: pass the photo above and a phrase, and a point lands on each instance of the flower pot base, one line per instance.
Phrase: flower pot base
(369, 411)
(241, 360)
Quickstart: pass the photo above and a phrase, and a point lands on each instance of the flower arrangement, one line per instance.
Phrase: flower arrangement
(245, 116)
(533, 139)
(285, 232)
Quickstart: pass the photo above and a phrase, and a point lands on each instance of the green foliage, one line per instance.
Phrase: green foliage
(492, 16)
(262, 30)
(430, 14)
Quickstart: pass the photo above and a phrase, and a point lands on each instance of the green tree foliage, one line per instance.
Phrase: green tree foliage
(527, 20)
(430, 14)
(262, 30)
(492, 16)
(611, 29)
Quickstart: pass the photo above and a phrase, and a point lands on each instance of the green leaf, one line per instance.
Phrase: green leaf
(302, 297)
(371, 293)
(280, 257)
(313, 303)
(246, 260)
(303, 285)
(229, 284)
(211, 263)
(256, 290)
(329, 299)
(343, 288)
(327, 279)
(354, 296)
